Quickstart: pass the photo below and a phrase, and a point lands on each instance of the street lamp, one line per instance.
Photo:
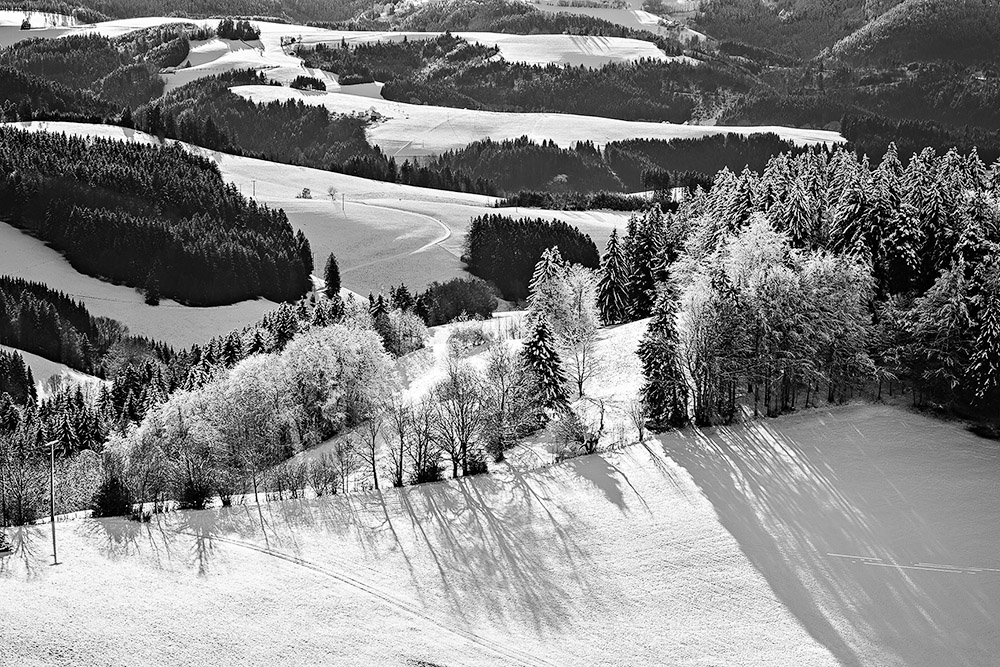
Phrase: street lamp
(52, 496)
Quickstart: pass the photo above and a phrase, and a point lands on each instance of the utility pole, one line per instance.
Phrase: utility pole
(52, 497)
(254, 182)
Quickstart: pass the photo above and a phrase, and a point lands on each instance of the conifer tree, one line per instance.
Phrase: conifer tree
(540, 356)
(331, 275)
(664, 391)
(645, 263)
(549, 268)
(612, 289)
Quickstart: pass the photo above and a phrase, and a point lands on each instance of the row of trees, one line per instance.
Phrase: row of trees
(154, 217)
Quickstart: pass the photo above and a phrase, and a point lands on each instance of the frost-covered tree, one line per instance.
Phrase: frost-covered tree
(540, 354)
(612, 288)
(664, 389)
(578, 334)
(545, 295)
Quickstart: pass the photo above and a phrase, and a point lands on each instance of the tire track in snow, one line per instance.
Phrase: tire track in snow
(511, 654)
(389, 258)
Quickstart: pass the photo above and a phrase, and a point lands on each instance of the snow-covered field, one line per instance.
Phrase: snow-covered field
(406, 130)
(382, 233)
(609, 560)
(43, 24)
(856, 536)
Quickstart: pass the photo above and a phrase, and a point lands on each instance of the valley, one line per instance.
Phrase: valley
(490, 332)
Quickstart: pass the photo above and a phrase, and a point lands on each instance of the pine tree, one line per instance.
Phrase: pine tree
(540, 356)
(984, 366)
(331, 275)
(645, 263)
(665, 391)
(541, 299)
(612, 289)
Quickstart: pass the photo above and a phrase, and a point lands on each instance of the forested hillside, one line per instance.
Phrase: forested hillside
(966, 31)
(123, 71)
(448, 71)
(797, 27)
(153, 217)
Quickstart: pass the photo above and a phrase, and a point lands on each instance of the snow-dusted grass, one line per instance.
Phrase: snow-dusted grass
(26, 257)
(405, 130)
(382, 233)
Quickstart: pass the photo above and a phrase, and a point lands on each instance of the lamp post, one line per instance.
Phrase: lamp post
(52, 496)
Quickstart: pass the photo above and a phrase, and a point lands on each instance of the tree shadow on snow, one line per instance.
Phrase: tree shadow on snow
(841, 545)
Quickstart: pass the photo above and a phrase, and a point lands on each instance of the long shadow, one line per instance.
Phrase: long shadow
(813, 504)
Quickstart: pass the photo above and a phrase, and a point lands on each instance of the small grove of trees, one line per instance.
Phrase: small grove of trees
(303, 82)
(237, 30)
(504, 250)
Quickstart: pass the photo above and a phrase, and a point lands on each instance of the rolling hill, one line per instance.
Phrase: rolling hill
(966, 31)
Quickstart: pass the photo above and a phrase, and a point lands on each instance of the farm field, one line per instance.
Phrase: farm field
(408, 130)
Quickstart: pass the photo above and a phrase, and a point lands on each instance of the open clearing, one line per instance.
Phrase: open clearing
(407, 130)
(863, 536)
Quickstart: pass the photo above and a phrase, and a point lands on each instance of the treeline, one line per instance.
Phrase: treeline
(153, 217)
(871, 134)
(819, 279)
(516, 164)
(927, 30)
(691, 159)
(574, 176)
(504, 250)
(576, 201)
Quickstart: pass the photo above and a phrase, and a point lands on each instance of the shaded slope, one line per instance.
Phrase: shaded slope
(927, 30)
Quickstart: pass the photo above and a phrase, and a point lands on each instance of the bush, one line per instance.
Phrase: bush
(194, 495)
(444, 302)
(468, 336)
(113, 497)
